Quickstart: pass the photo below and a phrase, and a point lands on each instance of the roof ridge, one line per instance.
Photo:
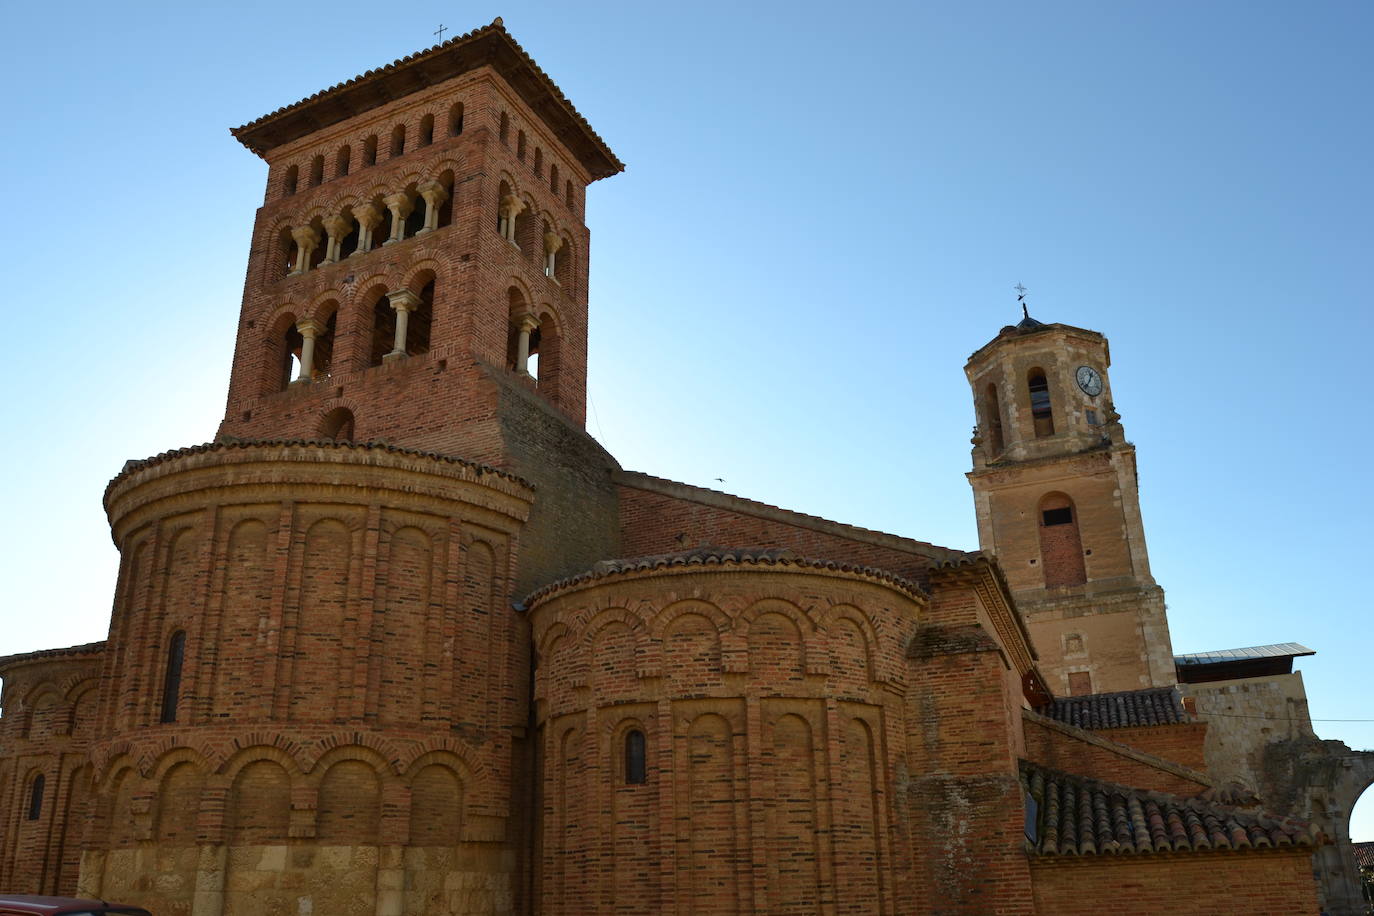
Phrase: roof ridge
(717, 556)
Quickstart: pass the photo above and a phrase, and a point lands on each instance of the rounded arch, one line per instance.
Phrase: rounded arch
(292, 760)
(663, 620)
(359, 752)
(805, 622)
(338, 424)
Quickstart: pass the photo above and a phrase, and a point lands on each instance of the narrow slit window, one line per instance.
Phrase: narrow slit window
(36, 797)
(171, 685)
(635, 770)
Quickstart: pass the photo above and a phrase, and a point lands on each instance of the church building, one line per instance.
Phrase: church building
(405, 639)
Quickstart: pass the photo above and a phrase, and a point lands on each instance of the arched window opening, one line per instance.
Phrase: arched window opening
(292, 178)
(1041, 413)
(532, 357)
(421, 320)
(321, 249)
(349, 243)
(338, 425)
(171, 682)
(286, 246)
(36, 797)
(568, 192)
(636, 766)
(426, 130)
(520, 145)
(522, 323)
(1061, 547)
(316, 171)
(538, 161)
(370, 151)
(323, 362)
(446, 208)
(383, 329)
(398, 141)
(455, 120)
(505, 127)
(383, 230)
(992, 416)
(563, 266)
(285, 344)
(553, 179)
(415, 219)
(343, 161)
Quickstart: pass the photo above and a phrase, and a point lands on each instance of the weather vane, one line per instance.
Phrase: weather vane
(440, 32)
(1021, 298)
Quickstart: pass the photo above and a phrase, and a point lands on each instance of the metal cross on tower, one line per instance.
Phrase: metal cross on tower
(1021, 298)
(440, 32)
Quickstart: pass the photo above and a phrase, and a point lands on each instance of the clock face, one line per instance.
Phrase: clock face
(1089, 381)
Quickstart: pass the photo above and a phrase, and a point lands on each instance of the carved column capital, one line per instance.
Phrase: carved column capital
(367, 215)
(403, 300)
(305, 236)
(433, 192)
(338, 226)
(310, 327)
(552, 242)
(400, 203)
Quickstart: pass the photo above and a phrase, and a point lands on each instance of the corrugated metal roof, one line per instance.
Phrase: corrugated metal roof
(1277, 650)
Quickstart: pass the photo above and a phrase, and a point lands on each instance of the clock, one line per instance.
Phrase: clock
(1089, 380)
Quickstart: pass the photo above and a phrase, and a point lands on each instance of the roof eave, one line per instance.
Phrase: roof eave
(490, 45)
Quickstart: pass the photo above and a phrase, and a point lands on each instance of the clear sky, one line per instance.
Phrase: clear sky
(825, 209)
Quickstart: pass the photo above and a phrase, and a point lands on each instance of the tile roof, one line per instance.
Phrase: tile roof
(226, 443)
(1364, 854)
(703, 557)
(1222, 656)
(1076, 816)
(490, 45)
(1129, 708)
(89, 648)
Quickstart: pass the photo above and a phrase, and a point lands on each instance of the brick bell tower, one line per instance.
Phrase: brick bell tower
(1056, 495)
(421, 246)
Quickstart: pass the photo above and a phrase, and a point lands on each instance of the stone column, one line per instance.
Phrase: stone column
(208, 899)
(400, 204)
(511, 207)
(306, 239)
(338, 228)
(522, 348)
(309, 329)
(434, 194)
(369, 218)
(404, 302)
(552, 243)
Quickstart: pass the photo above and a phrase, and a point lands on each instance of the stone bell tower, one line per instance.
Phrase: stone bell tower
(1055, 488)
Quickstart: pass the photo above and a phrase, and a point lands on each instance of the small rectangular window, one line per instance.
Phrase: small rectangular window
(1062, 516)
(1092, 417)
(1080, 683)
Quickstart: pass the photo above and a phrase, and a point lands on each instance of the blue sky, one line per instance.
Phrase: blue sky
(824, 212)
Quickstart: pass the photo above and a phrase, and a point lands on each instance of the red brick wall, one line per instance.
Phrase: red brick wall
(656, 522)
(1269, 882)
(1181, 743)
(1059, 750)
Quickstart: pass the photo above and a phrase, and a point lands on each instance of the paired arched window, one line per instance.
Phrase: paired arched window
(171, 681)
(636, 764)
(1061, 546)
(36, 797)
(1042, 414)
